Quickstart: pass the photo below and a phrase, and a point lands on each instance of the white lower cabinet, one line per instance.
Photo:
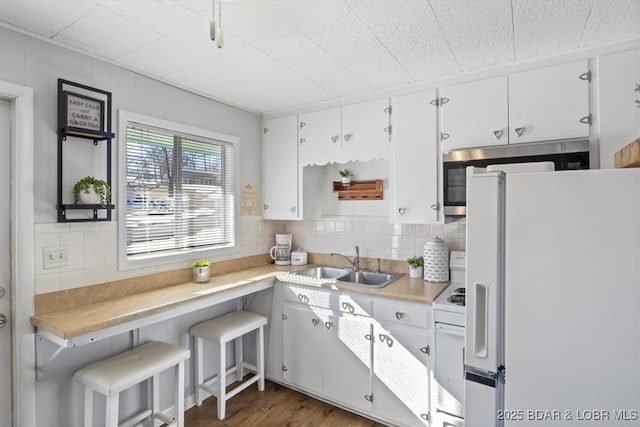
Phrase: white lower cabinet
(371, 355)
(401, 373)
(302, 349)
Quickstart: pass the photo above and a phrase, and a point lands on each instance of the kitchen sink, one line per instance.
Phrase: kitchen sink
(368, 278)
(323, 272)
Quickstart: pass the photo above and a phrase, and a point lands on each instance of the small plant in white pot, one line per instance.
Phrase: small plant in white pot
(346, 176)
(416, 264)
(91, 191)
(201, 271)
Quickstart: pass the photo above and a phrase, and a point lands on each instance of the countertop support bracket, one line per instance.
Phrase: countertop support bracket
(42, 344)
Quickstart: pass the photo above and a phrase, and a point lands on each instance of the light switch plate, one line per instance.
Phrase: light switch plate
(55, 256)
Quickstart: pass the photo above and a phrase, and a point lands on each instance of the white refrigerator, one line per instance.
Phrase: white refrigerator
(553, 298)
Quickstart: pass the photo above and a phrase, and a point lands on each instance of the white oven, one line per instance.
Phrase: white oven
(449, 312)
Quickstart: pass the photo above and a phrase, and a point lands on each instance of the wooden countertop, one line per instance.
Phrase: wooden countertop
(86, 319)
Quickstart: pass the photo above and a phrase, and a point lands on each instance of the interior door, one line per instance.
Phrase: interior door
(5, 275)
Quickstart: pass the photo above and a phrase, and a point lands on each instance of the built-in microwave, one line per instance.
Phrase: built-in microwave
(565, 155)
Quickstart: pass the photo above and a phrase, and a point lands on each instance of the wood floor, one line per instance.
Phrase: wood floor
(275, 406)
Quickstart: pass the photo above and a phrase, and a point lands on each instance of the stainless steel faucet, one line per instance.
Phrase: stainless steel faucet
(355, 263)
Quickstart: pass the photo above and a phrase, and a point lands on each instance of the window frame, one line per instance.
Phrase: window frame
(177, 257)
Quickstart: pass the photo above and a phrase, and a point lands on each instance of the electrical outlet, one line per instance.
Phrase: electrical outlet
(55, 256)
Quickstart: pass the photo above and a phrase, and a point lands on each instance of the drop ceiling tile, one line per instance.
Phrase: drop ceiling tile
(285, 44)
(548, 27)
(479, 31)
(335, 28)
(410, 32)
(612, 21)
(102, 32)
(161, 57)
(167, 18)
(44, 17)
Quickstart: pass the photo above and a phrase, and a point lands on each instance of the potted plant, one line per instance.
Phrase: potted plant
(345, 175)
(201, 271)
(91, 191)
(415, 266)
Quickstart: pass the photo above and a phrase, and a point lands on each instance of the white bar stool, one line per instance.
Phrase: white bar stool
(231, 326)
(111, 376)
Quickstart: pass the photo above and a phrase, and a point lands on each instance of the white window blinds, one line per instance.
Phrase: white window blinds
(179, 191)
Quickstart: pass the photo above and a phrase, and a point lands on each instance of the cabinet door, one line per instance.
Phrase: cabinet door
(475, 114)
(365, 131)
(414, 160)
(320, 136)
(347, 360)
(302, 347)
(549, 103)
(449, 370)
(280, 168)
(401, 373)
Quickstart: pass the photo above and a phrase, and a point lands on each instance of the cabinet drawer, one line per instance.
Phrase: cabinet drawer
(347, 303)
(403, 312)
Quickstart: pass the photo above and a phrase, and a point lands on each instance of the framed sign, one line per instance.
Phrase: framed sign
(83, 112)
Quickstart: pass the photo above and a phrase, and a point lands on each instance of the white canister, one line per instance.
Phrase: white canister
(436, 261)
(299, 257)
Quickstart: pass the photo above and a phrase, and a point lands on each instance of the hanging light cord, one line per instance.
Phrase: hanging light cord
(215, 30)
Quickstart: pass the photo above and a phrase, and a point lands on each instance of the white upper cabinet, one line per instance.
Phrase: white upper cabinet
(280, 182)
(550, 103)
(414, 159)
(475, 114)
(365, 131)
(544, 104)
(358, 132)
(320, 136)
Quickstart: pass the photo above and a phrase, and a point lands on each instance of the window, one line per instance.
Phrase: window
(179, 189)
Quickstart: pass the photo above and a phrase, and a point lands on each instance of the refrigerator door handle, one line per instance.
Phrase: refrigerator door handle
(480, 322)
(487, 379)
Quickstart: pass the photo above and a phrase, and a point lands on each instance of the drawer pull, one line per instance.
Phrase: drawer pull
(400, 315)
(328, 325)
(303, 298)
(425, 350)
(347, 306)
(315, 322)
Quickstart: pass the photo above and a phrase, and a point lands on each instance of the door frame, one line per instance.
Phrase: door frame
(22, 256)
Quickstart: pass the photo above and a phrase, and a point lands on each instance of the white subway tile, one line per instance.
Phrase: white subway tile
(45, 283)
(72, 279)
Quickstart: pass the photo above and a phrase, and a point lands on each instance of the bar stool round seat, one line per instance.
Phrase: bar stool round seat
(111, 376)
(221, 330)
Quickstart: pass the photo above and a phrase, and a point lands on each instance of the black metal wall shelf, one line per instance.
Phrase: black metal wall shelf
(102, 107)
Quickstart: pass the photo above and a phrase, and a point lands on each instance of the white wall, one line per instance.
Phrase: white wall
(92, 247)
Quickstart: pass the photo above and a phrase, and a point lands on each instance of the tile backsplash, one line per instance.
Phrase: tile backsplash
(92, 250)
(375, 236)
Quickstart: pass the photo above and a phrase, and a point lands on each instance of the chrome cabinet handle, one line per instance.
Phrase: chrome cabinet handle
(3, 291)
(586, 120)
(497, 133)
(292, 209)
(302, 140)
(401, 211)
(387, 129)
(368, 337)
(425, 350)
(315, 322)
(347, 137)
(284, 368)
(585, 76)
(334, 139)
(369, 397)
(519, 131)
(302, 124)
(444, 100)
(347, 306)
(424, 417)
(3, 320)
(435, 206)
(303, 298)
(387, 339)
(387, 110)
(328, 325)
(444, 136)
(400, 315)
(266, 207)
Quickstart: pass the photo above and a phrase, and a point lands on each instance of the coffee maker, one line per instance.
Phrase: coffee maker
(281, 252)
